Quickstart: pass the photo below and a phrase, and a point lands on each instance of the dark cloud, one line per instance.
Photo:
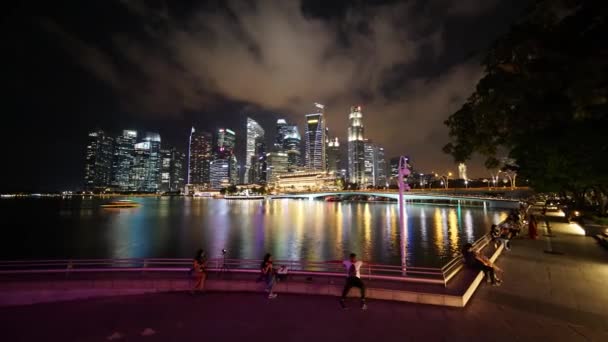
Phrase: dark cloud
(272, 55)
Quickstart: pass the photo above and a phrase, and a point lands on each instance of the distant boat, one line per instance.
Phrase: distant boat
(333, 199)
(120, 204)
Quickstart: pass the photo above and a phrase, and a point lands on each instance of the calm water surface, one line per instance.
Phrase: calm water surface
(289, 229)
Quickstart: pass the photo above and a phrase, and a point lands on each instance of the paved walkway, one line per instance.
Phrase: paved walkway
(553, 297)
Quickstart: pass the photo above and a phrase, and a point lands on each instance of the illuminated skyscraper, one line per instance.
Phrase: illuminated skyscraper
(356, 146)
(224, 154)
(333, 155)
(200, 155)
(172, 170)
(291, 145)
(369, 172)
(257, 173)
(279, 142)
(315, 140)
(145, 173)
(220, 173)
(225, 143)
(381, 169)
(277, 165)
(123, 160)
(254, 133)
(98, 161)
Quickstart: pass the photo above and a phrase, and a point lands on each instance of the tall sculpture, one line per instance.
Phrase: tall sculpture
(404, 171)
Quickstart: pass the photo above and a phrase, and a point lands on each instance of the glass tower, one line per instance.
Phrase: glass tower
(291, 145)
(200, 155)
(314, 148)
(123, 160)
(98, 161)
(333, 155)
(356, 146)
(254, 133)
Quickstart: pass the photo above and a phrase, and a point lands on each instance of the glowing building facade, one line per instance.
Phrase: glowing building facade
(314, 149)
(356, 146)
(255, 133)
(200, 155)
(98, 161)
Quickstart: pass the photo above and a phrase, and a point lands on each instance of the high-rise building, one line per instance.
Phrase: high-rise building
(356, 146)
(172, 170)
(279, 142)
(333, 155)
(225, 159)
(145, 173)
(200, 155)
(254, 134)
(381, 169)
(369, 171)
(220, 173)
(314, 149)
(225, 143)
(257, 173)
(277, 165)
(291, 146)
(462, 171)
(123, 160)
(98, 161)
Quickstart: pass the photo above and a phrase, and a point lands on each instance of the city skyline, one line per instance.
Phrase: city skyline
(408, 74)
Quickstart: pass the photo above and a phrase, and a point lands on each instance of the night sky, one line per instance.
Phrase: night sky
(71, 66)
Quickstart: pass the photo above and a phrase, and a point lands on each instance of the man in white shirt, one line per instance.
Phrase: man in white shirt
(353, 279)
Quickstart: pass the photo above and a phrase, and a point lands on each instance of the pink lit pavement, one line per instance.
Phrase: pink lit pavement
(558, 296)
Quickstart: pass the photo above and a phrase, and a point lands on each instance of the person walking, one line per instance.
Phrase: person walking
(268, 275)
(532, 228)
(199, 267)
(353, 279)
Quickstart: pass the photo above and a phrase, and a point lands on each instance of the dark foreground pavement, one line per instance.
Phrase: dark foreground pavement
(545, 297)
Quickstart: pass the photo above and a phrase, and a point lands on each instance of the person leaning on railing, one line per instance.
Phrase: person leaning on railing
(199, 267)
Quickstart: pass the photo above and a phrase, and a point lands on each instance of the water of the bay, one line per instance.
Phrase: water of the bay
(165, 227)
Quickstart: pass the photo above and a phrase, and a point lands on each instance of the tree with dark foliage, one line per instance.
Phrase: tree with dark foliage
(543, 100)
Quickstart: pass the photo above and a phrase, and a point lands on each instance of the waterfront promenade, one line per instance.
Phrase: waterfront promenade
(555, 297)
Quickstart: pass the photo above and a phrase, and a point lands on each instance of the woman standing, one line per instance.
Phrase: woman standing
(532, 229)
(268, 275)
(199, 266)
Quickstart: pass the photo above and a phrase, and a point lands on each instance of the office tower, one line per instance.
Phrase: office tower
(200, 155)
(172, 170)
(257, 173)
(145, 173)
(291, 145)
(356, 153)
(380, 165)
(279, 142)
(333, 155)
(254, 134)
(123, 160)
(277, 165)
(462, 171)
(314, 149)
(369, 172)
(225, 143)
(220, 173)
(98, 161)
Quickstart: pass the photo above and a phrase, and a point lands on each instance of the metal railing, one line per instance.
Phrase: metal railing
(428, 275)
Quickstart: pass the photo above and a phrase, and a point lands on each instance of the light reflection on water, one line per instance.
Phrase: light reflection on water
(289, 229)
